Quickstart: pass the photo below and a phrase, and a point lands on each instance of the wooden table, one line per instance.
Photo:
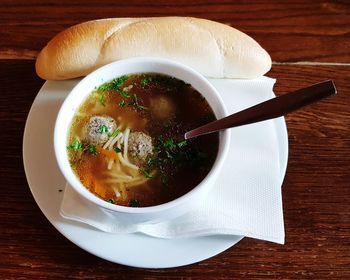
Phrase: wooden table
(309, 41)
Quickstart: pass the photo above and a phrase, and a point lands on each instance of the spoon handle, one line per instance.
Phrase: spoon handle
(269, 109)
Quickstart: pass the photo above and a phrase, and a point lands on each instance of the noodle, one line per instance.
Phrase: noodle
(110, 140)
(120, 135)
(123, 191)
(110, 164)
(126, 140)
(120, 176)
(130, 183)
(117, 167)
(127, 163)
(116, 192)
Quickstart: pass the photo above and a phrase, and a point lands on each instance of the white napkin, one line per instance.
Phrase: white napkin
(246, 199)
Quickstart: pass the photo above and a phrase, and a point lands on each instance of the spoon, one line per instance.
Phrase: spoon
(273, 108)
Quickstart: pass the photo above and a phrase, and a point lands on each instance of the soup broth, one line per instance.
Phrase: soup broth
(126, 140)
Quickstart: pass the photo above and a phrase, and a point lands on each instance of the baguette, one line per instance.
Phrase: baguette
(215, 50)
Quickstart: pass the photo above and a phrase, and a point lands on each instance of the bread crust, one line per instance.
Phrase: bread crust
(215, 50)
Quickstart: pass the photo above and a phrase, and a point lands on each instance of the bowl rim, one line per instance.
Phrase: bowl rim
(62, 160)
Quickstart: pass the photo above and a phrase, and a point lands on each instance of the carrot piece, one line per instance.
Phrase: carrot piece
(99, 189)
(107, 153)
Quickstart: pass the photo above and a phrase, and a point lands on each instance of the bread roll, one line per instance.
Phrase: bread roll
(213, 49)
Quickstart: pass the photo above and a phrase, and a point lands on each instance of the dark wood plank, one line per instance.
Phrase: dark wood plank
(316, 197)
(289, 30)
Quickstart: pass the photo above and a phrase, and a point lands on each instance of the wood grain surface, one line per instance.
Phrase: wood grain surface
(316, 189)
(294, 31)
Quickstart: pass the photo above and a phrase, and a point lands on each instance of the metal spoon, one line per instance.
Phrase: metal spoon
(269, 109)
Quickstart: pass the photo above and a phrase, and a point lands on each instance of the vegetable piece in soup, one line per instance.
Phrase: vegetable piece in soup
(126, 141)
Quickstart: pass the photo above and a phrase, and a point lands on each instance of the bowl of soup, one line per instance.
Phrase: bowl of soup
(119, 139)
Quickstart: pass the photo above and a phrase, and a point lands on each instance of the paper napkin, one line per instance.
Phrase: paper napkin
(246, 199)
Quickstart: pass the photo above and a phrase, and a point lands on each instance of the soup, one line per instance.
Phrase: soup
(126, 142)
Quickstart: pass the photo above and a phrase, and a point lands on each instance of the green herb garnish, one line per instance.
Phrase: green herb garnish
(103, 129)
(182, 144)
(145, 81)
(121, 104)
(117, 150)
(116, 84)
(73, 165)
(145, 172)
(102, 98)
(76, 145)
(110, 201)
(137, 103)
(170, 155)
(169, 144)
(124, 94)
(104, 87)
(119, 82)
(92, 149)
(149, 167)
(134, 203)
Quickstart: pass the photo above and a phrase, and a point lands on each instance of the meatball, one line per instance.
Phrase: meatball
(99, 128)
(162, 107)
(140, 146)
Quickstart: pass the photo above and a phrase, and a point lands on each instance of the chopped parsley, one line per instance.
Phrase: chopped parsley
(75, 146)
(73, 165)
(102, 98)
(110, 201)
(104, 87)
(124, 94)
(134, 203)
(121, 104)
(145, 81)
(117, 150)
(92, 149)
(115, 84)
(169, 144)
(137, 103)
(145, 172)
(103, 129)
(182, 144)
(169, 155)
(149, 167)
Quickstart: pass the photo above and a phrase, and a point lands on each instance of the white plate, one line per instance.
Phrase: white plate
(45, 182)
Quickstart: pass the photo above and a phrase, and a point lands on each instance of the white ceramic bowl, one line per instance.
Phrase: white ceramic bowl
(80, 92)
